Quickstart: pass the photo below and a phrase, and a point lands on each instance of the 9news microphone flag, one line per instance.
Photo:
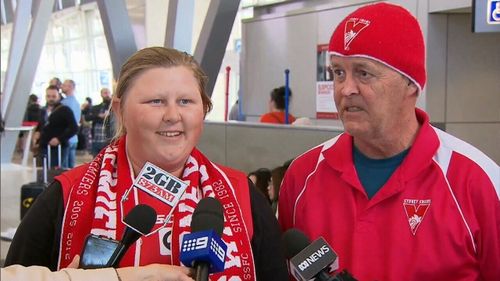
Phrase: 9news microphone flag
(203, 248)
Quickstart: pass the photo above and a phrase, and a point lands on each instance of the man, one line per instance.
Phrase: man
(396, 198)
(102, 128)
(60, 125)
(68, 88)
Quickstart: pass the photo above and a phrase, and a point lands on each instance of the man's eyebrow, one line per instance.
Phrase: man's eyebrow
(332, 65)
(363, 64)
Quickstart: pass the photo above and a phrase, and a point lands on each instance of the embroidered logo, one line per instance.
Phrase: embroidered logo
(415, 212)
(353, 27)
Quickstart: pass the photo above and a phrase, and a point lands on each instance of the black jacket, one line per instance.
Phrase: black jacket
(60, 124)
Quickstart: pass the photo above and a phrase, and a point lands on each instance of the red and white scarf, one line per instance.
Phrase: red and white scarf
(93, 206)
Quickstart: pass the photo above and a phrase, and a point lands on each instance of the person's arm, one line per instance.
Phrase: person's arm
(286, 201)
(486, 204)
(20, 273)
(266, 242)
(36, 241)
(143, 273)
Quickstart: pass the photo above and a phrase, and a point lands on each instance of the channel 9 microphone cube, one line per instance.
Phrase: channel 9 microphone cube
(312, 259)
(204, 246)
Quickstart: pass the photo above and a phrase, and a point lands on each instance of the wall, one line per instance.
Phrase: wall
(464, 86)
(463, 91)
(248, 146)
(288, 40)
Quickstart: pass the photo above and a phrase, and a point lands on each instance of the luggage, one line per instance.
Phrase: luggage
(30, 191)
(43, 177)
(47, 174)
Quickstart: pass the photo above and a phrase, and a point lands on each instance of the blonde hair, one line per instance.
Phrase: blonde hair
(155, 57)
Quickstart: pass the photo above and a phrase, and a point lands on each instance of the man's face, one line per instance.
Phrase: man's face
(373, 100)
(51, 96)
(67, 87)
(106, 95)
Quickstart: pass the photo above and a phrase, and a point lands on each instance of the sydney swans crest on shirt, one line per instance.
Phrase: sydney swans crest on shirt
(415, 212)
(353, 27)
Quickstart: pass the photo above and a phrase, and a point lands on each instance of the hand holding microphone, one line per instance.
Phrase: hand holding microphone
(100, 252)
(140, 220)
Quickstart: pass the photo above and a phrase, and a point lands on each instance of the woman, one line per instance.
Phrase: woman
(160, 104)
(261, 178)
(277, 106)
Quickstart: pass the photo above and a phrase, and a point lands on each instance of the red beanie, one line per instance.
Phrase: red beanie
(386, 33)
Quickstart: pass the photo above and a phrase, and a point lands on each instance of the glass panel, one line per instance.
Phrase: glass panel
(60, 61)
(4, 61)
(5, 41)
(73, 27)
(78, 55)
(5, 45)
(57, 32)
(102, 58)
(94, 22)
(47, 59)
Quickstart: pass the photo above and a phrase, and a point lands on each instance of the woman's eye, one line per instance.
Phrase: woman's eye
(155, 101)
(184, 101)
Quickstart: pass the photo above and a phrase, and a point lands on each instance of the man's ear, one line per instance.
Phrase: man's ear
(412, 87)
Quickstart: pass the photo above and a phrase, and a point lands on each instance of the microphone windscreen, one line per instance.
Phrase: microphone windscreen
(208, 215)
(294, 241)
(141, 218)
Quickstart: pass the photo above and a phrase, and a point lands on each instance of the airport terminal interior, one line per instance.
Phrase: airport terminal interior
(247, 48)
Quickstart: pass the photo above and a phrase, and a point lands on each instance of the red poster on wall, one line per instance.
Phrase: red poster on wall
(325, 104)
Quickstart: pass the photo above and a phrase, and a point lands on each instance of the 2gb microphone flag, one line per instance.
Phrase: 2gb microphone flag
(158, 189)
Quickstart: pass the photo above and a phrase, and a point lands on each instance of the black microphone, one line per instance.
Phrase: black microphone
(311, 260)
(140, 220)
(203, 248)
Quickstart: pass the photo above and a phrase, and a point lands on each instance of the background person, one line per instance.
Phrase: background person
(84, 132)
(261, 178)
(277, 106)
(392, 194)
(102, 122)
(160, 104)
(273, 189)
(58, 127)
(68, 88)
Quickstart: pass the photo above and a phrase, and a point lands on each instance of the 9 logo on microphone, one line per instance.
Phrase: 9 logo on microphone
(204, 246)
(195, 244)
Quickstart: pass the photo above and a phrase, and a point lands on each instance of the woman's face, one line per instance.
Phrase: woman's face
(163, 116)
(270, 190)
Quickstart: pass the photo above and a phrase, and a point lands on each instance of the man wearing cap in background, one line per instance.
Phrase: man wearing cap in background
(396, 198)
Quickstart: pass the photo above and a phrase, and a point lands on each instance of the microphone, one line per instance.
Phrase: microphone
(311, 260)
(140, 220)
(203, 248)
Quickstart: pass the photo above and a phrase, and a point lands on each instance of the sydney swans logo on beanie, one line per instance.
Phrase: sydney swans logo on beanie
(353, 27)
